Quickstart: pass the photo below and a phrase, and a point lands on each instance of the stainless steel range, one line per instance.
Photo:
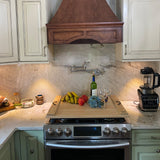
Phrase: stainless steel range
(87, 138)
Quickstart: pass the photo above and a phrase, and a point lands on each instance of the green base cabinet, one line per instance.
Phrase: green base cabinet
(146, 144)
(146, 153)
(31, 144)
(24, 145)
(7, 152)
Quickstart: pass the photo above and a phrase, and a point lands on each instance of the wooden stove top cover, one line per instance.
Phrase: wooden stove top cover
(112, 109)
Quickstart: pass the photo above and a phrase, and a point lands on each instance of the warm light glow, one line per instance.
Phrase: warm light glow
(131, 86)
(44, 87)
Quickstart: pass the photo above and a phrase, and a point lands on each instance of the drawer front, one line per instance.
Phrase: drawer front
(146, 153)
(142, 137)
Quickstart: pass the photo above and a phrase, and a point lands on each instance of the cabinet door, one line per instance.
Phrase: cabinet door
(7, 151)
(32, 30)
(32, 147)
(8, 31)
(145, 153)
(142, 26)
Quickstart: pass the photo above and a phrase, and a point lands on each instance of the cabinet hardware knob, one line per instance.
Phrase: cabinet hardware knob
(155, 138)
(44, 52)
(125, 49)
(158, 151)
(31, 151)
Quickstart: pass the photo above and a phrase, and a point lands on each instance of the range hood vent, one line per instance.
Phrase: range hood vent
(84, 21)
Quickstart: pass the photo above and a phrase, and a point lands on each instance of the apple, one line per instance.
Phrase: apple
(81, 101)
(85, 98)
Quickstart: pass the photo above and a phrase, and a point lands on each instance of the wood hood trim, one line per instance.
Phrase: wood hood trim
(84, 19)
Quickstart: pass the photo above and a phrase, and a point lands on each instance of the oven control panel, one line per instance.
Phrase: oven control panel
(87, 131)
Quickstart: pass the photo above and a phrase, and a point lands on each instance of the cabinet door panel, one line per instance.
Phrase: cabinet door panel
(7, 151)
(32, 30)
(32, 147)
(145, 153)
(8, 31)
(143, 29)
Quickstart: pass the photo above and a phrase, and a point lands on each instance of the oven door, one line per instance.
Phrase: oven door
(88, 149)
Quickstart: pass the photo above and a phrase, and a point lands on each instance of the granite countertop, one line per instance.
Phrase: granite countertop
(22, 119)
(140, 119)
(34, 119)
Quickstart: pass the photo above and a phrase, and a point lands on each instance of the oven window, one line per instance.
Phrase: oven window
(91, 154)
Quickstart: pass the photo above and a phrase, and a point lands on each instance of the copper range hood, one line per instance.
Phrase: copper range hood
(84, 21)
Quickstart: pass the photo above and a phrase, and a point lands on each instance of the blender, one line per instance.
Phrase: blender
(148, 98)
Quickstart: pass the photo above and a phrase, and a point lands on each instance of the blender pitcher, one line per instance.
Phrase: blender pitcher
(150, 79)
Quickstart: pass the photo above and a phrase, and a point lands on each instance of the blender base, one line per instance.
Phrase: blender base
(148, 102)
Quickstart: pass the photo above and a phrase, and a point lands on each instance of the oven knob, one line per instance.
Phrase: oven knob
(115, 130)
(124, 131)
(67, 132)
(107, 131)
(59, 131)
(50, 131)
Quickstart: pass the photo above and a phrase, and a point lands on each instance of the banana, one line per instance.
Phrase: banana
(72, 100)
(70, 97)
(63, 99)
(69, 94)
(75, 100)
(74, 94)
(67, 98)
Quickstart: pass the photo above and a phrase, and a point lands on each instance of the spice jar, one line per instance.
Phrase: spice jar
(16, 98)
(39, 99)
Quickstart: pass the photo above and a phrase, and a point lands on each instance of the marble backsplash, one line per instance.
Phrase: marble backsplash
(55, 78)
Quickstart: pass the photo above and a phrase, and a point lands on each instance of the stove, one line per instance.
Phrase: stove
(65, 133)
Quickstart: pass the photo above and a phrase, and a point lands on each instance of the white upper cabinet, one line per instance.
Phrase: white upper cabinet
(23, 35)
(8, 31)
(141, 40)
(32, 30)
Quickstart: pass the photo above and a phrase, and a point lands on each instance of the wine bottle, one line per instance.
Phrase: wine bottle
(93, 87)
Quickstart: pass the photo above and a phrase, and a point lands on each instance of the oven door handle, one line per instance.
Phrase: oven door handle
(85, 146)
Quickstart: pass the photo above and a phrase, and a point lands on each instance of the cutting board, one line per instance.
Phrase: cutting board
(10, 107)
(113, 108)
